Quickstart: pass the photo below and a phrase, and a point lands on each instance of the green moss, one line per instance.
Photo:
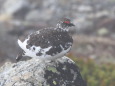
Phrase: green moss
(96, 75)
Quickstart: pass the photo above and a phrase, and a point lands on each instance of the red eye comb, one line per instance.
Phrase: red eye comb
(67, 22)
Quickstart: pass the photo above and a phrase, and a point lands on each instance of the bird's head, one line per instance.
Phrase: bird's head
(65, 23)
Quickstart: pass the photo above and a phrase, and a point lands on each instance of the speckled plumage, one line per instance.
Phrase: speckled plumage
(51, 37)
(46, 43)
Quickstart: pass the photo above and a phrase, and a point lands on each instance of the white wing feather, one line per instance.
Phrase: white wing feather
(22, 44)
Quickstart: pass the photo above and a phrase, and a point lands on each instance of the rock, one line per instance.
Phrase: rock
(27, 9)
(42, 15)
(11, 7)
(102, 31)
(34, 72)
(34, 10)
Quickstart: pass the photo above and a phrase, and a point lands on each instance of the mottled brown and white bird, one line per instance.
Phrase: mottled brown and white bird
(48, 43)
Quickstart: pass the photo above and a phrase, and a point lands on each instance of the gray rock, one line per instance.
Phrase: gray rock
(36, 15)
(11, 6)
(34, 72)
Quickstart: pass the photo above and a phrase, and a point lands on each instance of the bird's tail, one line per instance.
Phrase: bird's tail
(20, 55)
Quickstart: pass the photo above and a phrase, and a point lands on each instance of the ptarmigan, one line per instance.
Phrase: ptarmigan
(48, 43)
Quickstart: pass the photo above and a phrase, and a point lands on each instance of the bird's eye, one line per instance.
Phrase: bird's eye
(67, 22)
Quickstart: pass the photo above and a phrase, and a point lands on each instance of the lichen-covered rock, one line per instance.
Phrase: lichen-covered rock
(34, 72)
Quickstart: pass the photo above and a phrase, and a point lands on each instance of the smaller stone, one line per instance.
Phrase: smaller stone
(102, 31)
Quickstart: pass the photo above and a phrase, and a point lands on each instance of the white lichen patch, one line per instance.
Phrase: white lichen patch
(38, 32)
(53, 69)
(54, 82)
(74, 73)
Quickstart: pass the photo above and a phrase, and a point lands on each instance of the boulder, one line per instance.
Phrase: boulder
(34, 72)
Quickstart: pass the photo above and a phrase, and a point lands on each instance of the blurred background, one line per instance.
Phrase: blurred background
(94, 35)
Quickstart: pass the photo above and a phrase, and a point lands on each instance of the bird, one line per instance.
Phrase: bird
(47, 43)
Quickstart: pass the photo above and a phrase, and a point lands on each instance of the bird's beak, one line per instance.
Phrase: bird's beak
(71, 24)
